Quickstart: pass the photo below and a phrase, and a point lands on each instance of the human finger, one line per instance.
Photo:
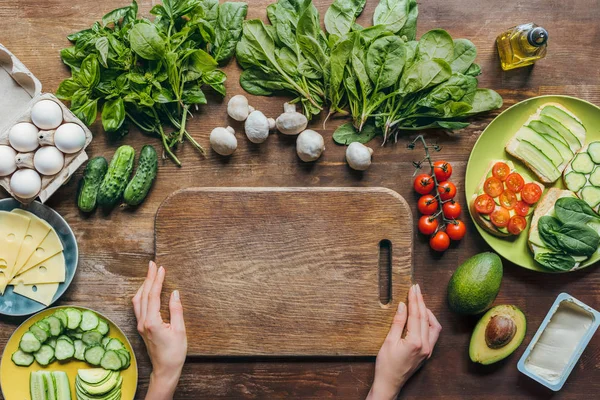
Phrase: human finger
(398, 323)
(434, 330)
(176, 311)
(154, 296)
(137, 303)
(147, 286)
(413, 327)
(424, 322)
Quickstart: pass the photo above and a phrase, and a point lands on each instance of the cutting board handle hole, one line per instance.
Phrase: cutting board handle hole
(385, 273)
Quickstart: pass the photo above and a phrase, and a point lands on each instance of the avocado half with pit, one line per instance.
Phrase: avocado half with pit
(497, 334)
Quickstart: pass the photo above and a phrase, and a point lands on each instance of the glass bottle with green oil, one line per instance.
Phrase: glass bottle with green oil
(522, 45)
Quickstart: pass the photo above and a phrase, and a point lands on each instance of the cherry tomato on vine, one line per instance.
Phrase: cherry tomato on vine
(440, 241)
(493, 186)
(484, 204)
(427, 225)
(427, 205)
(500, 217)
(501, 170)
(442, 170)
(447, 190)
(522, 208)
(531, 193)
(515, 182)
(423, 184)
(451, 209)
(508, 199)
(516, 225)
(456, 230)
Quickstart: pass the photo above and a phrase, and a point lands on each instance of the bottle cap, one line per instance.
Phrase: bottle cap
(537, 37)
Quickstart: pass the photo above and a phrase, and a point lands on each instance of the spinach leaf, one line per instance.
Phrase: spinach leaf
(572, 238)
(210, 10)
(392, 13)
(436, 44)
(113, 115)
(558, 262)
(485, 100)
(424, 74)
(385, 60)
(147, 42)
(259, 83)
(347, 134)
(474, 70)
(340, 16)
(409, 30)
(464, 55)
(547, 226)
(228, 30)
(569, 209)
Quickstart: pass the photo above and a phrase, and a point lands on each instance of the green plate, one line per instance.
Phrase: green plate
(490, 146)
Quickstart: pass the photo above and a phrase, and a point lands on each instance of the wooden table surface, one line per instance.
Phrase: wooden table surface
(115, 248)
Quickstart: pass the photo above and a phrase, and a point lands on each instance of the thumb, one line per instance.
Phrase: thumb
(398, 322)
(176, 311)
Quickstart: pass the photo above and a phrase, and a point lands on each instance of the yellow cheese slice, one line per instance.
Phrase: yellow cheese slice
(42, 293)
(38, 230)
(50, 271)
(13, 228)
(49, 247)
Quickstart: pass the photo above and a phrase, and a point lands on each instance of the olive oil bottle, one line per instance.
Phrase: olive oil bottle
(522, 45)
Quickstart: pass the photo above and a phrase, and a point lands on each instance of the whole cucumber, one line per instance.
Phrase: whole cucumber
(115, 180)
(90, 183)
(139, 186)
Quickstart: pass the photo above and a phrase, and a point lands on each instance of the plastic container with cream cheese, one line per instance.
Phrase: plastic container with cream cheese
(559, 342)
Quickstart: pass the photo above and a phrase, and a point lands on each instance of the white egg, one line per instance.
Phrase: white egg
(69, 138)
(48, 160)
(26, 183)
(8, 163)
(23, 137)
(46, 114)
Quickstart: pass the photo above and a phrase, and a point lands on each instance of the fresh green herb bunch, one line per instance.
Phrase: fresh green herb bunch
(381, 75)
(151, 73)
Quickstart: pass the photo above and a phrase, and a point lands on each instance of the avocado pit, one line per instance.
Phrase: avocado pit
(499, 331)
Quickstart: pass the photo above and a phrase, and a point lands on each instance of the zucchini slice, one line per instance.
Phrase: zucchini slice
(45, 355)
(582, 163)
(591, 195)
(594, 151)
(22, 359)
(575, 181)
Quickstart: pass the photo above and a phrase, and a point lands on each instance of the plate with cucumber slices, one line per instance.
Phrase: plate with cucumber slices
(554, 142)
(68, 353)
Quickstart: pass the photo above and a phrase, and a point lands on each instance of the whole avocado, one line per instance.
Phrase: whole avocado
(475, 284)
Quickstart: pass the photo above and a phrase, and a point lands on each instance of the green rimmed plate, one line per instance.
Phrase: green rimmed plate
(490, 146)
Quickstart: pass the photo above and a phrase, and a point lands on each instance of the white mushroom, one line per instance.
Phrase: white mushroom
(223, 141)
(358, 156)
(309, 145)
(272, 124)
(257, 127)
(238, 108)
(291, 122)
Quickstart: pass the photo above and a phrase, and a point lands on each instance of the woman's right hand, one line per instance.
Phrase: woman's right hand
(399, 358)
(166, 342)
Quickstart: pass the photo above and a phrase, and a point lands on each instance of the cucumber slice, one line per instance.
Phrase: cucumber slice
(111, 361)
(60, 314)
(64, 350)
(22, 359)
(595, 177)
(94, 354)
(55, 324)
(591, 195)
(568, 120)
(124, 354)
(545, 129)
(571, 139)
(40, 333)
(540, 163)
(531, 136)
(79, 349)
(44, 325)
(105, 341)
(582, 163)
(74, 318)
(74, 335)
(92, 338)
(51, 342)
(103, 327)
(62, 386)
(594, 151)
(37, 389)
(50, 386)
(575, 181)
(29, 343)
(563, 149)
(114, 344)
(65, 337)
(45, 355)
(89, 321)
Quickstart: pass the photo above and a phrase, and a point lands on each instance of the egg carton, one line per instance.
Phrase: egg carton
(19, 91)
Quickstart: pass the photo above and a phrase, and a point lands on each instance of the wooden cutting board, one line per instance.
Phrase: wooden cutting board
(286, 271)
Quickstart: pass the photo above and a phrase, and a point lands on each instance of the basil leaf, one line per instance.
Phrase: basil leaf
(102, 47)
(146, 41)
(113, 115)
(123, 15)
(194, 95)
(216, 79)
(569, 209)
(228, 30)
(347, 134)
(72, 57)
(87, 112)
(74, 37)
(67, 89)
(201, 61)
(556, 261)
(88, 75)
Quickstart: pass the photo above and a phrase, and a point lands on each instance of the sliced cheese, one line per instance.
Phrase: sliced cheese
(13, 228)
(38, 230)
(49, 247)
(50, 271)
(42, 293)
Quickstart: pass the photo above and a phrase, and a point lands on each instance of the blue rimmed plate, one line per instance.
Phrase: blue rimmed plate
(16, 305)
